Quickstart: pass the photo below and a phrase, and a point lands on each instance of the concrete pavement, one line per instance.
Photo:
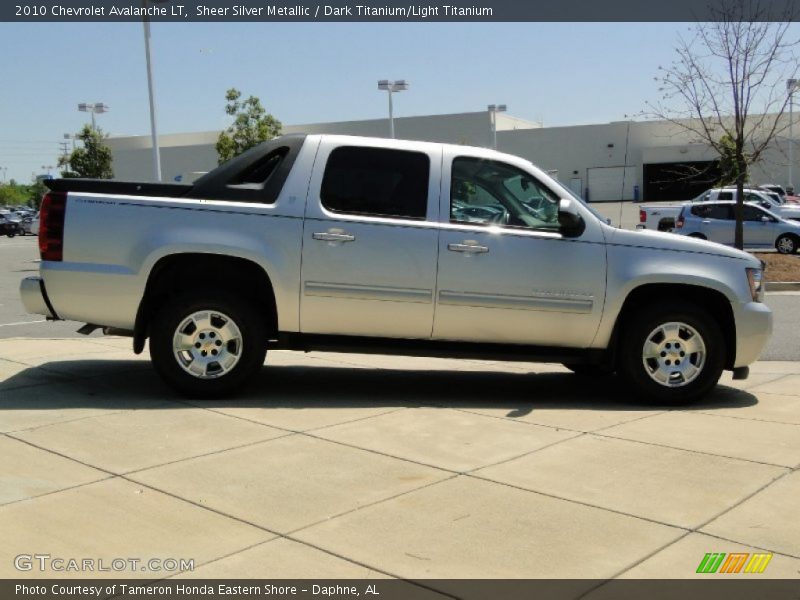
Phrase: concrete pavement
(350, 466)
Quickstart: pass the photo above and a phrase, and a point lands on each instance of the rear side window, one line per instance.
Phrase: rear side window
(713, 211)
(725, 196)
(376, 182)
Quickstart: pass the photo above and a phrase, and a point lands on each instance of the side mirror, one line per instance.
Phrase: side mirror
(569, 218)
(765, 219)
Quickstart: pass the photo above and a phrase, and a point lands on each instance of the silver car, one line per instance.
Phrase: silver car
(716, 222)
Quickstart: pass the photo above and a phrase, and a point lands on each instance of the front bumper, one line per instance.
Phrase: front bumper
(753, 328)
(34, 297)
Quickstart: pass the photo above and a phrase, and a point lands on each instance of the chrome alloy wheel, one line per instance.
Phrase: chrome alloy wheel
(207, 344)
(674, 354)
(786, 245)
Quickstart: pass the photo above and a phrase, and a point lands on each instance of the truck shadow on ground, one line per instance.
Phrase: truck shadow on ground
(134, 384)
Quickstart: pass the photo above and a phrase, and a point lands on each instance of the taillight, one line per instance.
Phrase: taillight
(681, 220)
(51, 226)
(642, 216)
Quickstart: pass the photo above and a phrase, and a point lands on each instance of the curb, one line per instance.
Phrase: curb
(782, 286)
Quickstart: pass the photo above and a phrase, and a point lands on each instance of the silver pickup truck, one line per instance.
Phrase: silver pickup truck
(352, 244)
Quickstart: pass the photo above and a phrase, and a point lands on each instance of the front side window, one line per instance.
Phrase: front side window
(488, 192)
(751, 213)
(376, 182)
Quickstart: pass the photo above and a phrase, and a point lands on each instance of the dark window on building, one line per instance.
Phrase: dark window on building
(376, 182)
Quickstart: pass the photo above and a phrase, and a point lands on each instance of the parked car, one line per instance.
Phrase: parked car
(34, 225)
(716, 222)
(7, 227)
(350, 244)
(661, 217)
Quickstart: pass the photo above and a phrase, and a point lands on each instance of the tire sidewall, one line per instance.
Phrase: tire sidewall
(250, 324)
(641, 324)
(789, 237)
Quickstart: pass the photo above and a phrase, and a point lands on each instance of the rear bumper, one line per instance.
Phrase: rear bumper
(753, 328)
(34, 297)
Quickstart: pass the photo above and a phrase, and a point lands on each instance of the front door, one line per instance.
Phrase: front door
(506, 274)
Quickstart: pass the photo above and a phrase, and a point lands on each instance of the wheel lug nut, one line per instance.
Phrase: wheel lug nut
(214, 352)
(683, 353)
(197, 345)
(663, 354)
(668, 345)
(668, 362)
(212, 335)
(218, 343)
(677, 362)
(203, 336)
(204, 353)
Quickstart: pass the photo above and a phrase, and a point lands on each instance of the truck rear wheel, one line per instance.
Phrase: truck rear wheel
(671, 353)
(207, 346)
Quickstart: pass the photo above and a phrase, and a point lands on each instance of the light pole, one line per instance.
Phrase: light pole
(95, 108)
(791, 86)
(73, 137)
(493, 110)
(151, 91)
(392, 86)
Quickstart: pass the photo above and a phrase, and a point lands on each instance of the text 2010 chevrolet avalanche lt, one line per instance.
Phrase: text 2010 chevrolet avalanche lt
(408, 248)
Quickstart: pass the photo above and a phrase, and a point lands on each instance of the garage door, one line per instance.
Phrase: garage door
(605, 183)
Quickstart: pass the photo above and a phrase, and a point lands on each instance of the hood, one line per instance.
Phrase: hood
(660, 240)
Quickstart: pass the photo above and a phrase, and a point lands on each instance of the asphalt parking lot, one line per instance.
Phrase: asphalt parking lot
(355, 466)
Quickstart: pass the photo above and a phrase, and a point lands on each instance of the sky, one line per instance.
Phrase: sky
(558, 73)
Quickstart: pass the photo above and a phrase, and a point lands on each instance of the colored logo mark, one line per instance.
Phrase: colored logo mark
(735, 562)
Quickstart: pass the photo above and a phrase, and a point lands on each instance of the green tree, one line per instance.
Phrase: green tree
(728, 166)
(36, 190)
(252, 124)
(13, 194)
(93, 160)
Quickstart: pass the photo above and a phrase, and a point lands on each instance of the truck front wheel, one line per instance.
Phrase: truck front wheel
(207, 347)
(671, 353)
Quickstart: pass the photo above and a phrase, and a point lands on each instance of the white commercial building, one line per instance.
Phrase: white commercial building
(624, 160)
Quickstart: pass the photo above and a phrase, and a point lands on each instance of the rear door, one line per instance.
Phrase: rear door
(717, 222)
(370, 239)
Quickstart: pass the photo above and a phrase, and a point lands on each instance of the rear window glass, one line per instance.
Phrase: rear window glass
(376, 182)
(257, 175)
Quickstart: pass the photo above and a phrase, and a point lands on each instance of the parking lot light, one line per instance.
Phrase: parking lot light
(392, 86)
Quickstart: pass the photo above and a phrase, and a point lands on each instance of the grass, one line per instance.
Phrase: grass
(780, 267)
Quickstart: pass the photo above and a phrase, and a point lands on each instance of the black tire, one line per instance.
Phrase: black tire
(635, 371)
(786, 244)
(590, 370)
(250, 348)
(11, 233)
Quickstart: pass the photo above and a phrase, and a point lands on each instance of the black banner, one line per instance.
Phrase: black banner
(392, 10)
(714, 588)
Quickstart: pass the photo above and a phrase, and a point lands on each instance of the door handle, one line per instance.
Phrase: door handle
(706, 222)
(469, 248)
(325, 236)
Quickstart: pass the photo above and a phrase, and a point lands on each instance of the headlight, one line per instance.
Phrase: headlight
(755, 278)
